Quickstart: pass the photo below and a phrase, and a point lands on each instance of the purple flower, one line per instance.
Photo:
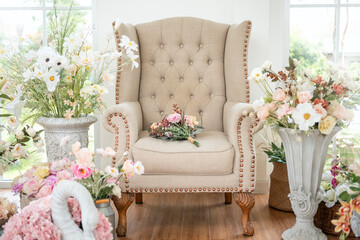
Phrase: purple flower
(51, 180)
(334, 182)
(17, 187)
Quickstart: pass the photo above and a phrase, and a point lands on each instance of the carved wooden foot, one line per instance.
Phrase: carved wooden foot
(139, 198)
(122, 204)
(246, 202)
(228, 198)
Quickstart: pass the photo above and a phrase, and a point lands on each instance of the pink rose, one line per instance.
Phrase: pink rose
(128, 167)
(32, 186)
(279, 95)
(319, 109)
(29, 173)
(64, 175)
(317, 80)
(338, 111)
(304, 96)
(81, 172)
(338, 89)
(263, 112)
(84, 158)
(174, 118)
(44, 191)
(284, 110)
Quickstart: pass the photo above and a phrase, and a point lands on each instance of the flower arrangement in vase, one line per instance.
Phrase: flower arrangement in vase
(307, 111)
(64, 81)
(7, 210)
(177, 126)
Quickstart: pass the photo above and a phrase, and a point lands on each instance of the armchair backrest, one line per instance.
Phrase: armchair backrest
(183, 61)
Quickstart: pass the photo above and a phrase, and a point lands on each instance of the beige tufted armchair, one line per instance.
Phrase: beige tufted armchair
(201, 66)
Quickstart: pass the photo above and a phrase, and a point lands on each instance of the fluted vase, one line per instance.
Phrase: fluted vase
(57, 129)
(305, 158)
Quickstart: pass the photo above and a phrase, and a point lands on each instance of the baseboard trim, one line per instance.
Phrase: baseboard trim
(262, 187)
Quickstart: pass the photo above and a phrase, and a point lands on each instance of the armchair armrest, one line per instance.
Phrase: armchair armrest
(124, 121)
(240, 125)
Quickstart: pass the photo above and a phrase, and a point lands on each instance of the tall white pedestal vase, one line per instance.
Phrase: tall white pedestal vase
(56, 129)
(305, 162)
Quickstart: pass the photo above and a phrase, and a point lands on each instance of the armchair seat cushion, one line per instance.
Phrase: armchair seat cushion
(215, 156)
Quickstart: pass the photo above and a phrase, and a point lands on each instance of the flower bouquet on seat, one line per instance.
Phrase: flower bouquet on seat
(177, 126)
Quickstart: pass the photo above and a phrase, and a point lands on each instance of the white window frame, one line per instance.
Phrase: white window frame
(337, 7)
(44, 9)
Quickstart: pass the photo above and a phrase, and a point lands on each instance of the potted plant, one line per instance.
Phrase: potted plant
(306, 111)
(63, 84)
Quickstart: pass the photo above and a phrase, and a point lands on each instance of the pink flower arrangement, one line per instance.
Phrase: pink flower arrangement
(174, 118)
(35, 222)
(302, 101)
(39, 181)
(81, 172)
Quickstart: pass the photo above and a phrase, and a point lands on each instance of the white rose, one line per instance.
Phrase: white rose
(20, 134)
(296, 62)
(117, 191)
(330, 198)
(31, 132)
(266, 65)
(259, 103)
(327, 176)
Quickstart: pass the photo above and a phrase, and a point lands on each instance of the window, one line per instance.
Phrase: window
(28, 20)
(327, 30)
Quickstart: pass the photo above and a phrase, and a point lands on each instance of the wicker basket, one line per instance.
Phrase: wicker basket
(279, 188)
(323, 218)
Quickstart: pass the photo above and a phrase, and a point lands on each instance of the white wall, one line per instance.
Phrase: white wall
(267, 41)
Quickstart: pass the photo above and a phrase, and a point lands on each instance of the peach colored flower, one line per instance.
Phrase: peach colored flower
(44, 191)
(64, 175)
(263, 112)
(68, 114)
(129, 168)
(319, 109)
(338, 89)
(326, 125)
(317, 80)
(84, 158)
(342, 224)
(279, 95)
(338, 111)
(284, 110)
(76, 147)
(304, 96)
(154, 126)
(323, 102)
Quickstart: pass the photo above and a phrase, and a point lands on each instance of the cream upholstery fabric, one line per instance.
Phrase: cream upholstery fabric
(182, 62)
(199, 65)
(215, 155)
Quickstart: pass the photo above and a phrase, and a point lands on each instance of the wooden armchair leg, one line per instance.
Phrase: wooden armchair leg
(139, 198)
(228, 198)
(246, 202)
(122, 204)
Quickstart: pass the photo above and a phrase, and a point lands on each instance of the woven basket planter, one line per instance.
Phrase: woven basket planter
(323, 218)
(279, 188)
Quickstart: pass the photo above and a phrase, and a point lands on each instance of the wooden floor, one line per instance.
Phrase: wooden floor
(200, 216)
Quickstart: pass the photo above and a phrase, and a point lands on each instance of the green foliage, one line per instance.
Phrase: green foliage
(308, 53)
(275, 153)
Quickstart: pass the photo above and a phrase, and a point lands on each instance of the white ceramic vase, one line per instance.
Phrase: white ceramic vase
(58, 128)
(305, 158)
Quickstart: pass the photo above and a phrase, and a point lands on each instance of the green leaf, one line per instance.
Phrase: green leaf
(345, 196)
(355, 189)
(4, 96)
(5, 115)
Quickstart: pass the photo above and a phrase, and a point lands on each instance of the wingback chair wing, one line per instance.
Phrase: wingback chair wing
(201, 66)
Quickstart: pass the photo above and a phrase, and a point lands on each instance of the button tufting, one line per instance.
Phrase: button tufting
(151, 62)
(171, 96)
(200, 79)
(171, 63)
(191, 96)
(212, 95)
(181, 79)
(209, 62)
(200, 112)
(191, 62)
(153, 96)
(162, 79)
(162, 45)
(181, 45)
(162, 112)
(200, 45)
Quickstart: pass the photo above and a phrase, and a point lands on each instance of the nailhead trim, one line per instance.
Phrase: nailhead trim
(245, 46)
(118, 74)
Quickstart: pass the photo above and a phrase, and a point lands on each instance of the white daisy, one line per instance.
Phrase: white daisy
(27, 75)
(60, 62)
(139, 168)
(51, 78)
(257, 75)
(113, 172)
(128, 44)
(84, 59)
(72, 42)
(305, 116)
(133, 58)
(38, 72)
(46, 57)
